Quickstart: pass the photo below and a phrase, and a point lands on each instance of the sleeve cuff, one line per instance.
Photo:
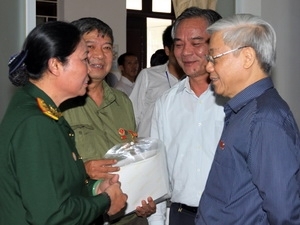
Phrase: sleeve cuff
(108, 199)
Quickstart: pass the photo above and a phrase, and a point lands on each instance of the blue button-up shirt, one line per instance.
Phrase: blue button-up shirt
(255, 176)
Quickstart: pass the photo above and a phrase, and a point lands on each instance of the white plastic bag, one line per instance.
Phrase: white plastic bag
(143, 170)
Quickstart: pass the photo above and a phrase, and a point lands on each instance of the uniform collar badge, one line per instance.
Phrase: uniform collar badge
(48, 110)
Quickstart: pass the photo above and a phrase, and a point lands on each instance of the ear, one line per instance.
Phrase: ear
(54, 66)
(167, 50)
(121, 68)
(249, 57)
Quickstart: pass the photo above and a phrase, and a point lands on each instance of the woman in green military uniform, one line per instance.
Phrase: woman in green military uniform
(42, 177)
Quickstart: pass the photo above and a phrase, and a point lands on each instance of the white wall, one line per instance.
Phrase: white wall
(246, 6)
(284, 17)
(15, 23)
(225, 8)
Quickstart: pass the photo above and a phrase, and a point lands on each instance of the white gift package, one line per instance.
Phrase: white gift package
(143, 170)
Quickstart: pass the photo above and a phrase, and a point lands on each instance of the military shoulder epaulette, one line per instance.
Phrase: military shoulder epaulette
(48, 110)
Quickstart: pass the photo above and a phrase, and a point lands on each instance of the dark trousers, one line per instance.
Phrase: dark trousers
(182, 214)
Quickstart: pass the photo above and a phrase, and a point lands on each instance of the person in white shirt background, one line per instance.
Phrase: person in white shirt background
(129, 67)
(188, 118)
(151, 83)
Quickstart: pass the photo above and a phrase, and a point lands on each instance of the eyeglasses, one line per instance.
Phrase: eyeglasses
(211, 59)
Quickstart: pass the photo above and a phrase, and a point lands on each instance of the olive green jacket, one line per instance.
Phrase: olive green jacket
(98, 128)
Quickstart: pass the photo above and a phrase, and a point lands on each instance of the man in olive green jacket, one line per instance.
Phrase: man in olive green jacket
(104, 117)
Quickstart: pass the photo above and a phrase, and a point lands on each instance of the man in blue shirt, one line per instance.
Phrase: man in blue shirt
(254, 178)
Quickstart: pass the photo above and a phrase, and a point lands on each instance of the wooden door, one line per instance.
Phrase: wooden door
(137, 38)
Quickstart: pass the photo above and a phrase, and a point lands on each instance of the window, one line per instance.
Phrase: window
(134, 4)
(155, 28)
(46, 10)
(146, 21)
(163, 6)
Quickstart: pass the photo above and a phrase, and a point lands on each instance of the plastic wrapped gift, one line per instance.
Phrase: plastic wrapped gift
(143, 170)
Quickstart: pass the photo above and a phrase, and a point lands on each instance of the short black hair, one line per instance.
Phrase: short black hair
(55, 39)
(167, 37)
(121, 59)
(88, 24)
(209, 15)
(158, 58)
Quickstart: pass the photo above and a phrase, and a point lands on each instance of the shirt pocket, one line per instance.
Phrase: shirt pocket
(86, 137)
(221, 179)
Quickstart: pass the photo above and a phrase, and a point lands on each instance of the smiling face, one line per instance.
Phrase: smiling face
(75, 72)
(229, 74)
(100, 54)
(191, 46)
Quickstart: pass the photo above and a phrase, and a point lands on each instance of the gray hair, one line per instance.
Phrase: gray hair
(209, 15)
(251, 31)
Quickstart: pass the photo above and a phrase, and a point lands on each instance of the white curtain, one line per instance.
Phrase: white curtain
(181, 5)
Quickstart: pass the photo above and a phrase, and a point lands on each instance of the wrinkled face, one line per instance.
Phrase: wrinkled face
(191, 46)
(75, 72)
(100, 54)
(130, 68)
(226, 74)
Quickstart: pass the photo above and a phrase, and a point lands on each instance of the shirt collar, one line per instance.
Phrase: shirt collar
(125, 80)
(109, 95)
(249, 93)
(185, 85)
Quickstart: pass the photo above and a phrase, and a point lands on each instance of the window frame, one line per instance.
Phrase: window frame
(143, 14)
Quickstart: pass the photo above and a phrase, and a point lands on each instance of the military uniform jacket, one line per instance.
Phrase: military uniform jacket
(42, 178)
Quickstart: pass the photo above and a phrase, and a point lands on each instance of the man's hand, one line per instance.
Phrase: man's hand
(101, 168)
(146, 209)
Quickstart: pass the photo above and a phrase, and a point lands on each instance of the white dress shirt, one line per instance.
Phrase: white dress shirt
(150, 84)
(125, 85)
(190, 128)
